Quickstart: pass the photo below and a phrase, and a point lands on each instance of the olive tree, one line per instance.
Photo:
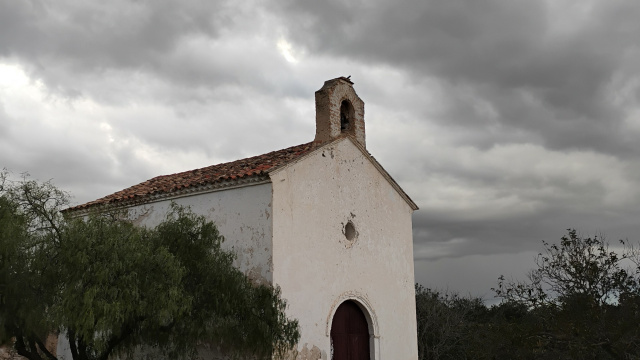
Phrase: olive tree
(112, 288)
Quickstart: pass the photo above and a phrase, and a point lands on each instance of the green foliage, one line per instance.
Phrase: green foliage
(116, 282)
(582, 301)
(29, 225)
(445, 323)
(452, 327)
(115, 288)
(578, 268)
(584, 296)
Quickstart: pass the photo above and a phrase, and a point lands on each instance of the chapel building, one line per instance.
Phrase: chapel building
(322, 220)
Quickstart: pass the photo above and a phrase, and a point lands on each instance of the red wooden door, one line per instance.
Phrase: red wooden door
(350, 333)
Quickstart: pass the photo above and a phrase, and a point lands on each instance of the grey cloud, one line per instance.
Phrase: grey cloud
(546, 204)
(509, 54)
(474, 274)
(511, 234)
(187, 43)
(462, 39)
(71, 157)
(4, 128)
(187, 70)
(447, 84)
(125, 33)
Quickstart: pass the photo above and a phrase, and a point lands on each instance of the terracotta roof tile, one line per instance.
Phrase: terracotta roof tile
(165, 184)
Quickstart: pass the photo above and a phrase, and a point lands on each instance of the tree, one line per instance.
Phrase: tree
(114, 288)
(584, 297)
(581, 301)
(448, 323)
(28, 222)
(578, 267)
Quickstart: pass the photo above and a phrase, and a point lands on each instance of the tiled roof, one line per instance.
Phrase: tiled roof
(236, 170)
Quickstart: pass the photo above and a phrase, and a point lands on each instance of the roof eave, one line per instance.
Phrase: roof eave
(229, 184)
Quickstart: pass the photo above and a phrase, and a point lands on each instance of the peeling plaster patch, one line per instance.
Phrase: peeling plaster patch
(138, 216)
(255, 276)
(307, 354)
(211, 210)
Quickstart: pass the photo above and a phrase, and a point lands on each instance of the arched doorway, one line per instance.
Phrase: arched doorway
(350, 333)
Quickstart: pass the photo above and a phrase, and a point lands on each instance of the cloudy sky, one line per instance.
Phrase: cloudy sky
(506, 121)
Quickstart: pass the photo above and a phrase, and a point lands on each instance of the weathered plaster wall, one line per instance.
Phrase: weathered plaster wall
(318, 268)
(243, 216)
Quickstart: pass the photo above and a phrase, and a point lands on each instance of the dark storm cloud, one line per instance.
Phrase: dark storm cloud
(165, 77)
(506, 121)
(542, 70)
(121, 33)
(515, 72)
(439, 237)
(176, 41)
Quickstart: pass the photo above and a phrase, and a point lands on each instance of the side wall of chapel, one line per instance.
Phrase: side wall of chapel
(242, 215)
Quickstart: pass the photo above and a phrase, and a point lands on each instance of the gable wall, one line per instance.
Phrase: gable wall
(318, 268)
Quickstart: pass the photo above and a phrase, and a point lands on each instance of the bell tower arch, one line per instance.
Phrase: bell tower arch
(339, 112)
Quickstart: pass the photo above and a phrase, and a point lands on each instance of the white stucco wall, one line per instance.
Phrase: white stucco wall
(242, 215)
(318, 268)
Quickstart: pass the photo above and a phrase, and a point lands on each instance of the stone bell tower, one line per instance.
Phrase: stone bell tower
(339, 112)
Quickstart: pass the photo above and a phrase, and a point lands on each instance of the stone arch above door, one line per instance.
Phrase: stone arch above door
(362, 301)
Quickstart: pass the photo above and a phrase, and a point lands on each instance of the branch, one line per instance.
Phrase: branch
(32, 345)
(40, 208)
(115, 341)
(44, 349)
(72, 345)
(19, 345)
(82, 349)
(21, 348)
